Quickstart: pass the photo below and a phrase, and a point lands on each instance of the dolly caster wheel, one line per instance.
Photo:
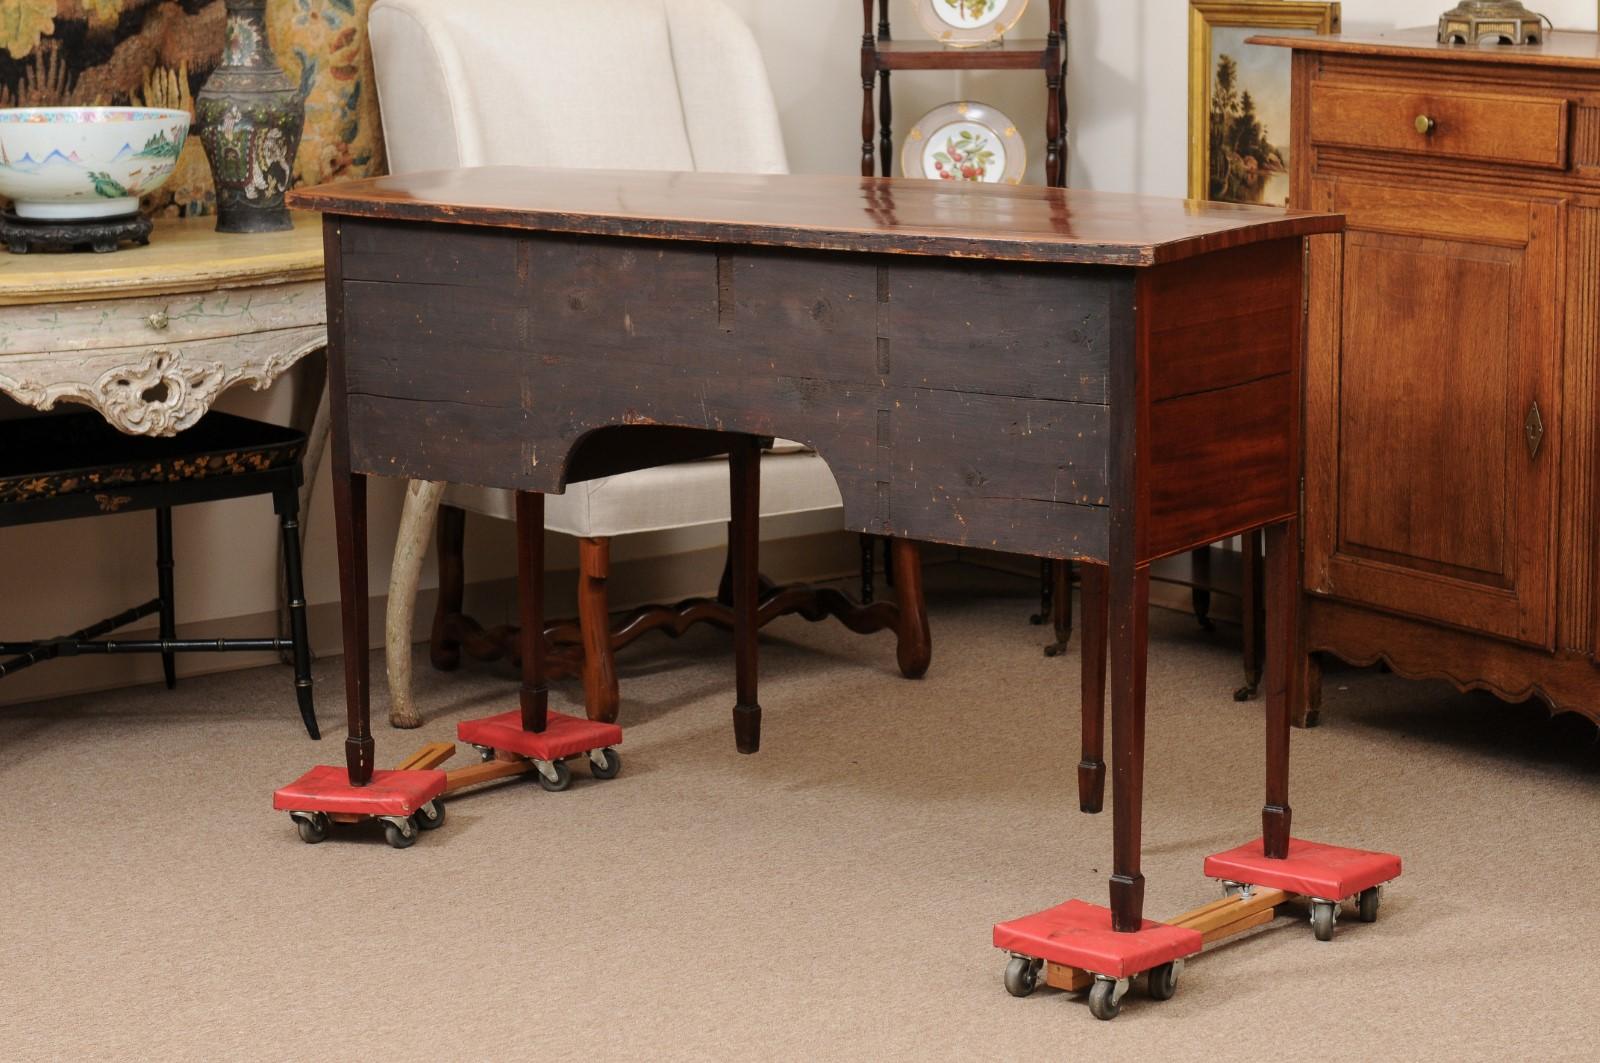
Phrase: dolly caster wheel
(313, 827)
(562, 780)
(1367, 910)
(400, 837)
(485, 753)
(1022, 976)
(1322, 916)
(1162, 982)
(1232, 889)
(431, 815)
(609, 764)
(1105, 1003)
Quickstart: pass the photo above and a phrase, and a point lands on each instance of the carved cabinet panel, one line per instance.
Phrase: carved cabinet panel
(1452, 394)
(1437, 501)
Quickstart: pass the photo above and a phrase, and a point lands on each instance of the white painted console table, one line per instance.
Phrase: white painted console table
(150, 336)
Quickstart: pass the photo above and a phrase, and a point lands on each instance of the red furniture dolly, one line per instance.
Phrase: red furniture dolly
(1084, 946)
(406, 801)
(531, 739)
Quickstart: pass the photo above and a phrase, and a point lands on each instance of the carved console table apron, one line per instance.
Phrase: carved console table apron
(1067, 374)
(150, 336)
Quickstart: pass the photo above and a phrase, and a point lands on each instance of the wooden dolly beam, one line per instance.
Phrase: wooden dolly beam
(1221, 919)
(430, 756)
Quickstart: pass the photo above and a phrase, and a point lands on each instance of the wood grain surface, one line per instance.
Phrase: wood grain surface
(1008, 223)
(184, 255)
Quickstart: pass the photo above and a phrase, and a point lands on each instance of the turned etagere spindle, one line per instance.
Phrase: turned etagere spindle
(881, 55)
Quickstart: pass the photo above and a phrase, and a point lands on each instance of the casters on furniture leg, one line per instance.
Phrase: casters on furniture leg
(485, 753)
(1323, 914)
(399, 831)
(554, 776)
(431, 815)
(605, 763)
(1022, 975)
(1248, 691)
(313, 826)
(1105, 999)
(1162, 982)
(1367, 906)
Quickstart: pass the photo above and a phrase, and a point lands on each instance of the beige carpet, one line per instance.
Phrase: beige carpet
(831, 898)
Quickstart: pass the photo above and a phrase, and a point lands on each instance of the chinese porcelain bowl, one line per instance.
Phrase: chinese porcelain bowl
(76, 163)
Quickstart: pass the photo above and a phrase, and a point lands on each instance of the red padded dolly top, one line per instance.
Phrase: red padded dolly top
(328, 789)
(563, 736)
(1326, 872)
(1078, 934)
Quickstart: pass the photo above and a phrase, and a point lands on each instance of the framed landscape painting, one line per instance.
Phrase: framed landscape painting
(1239, 106)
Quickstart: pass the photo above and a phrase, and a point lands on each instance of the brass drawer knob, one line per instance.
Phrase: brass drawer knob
(158, 320)
(1426, 125)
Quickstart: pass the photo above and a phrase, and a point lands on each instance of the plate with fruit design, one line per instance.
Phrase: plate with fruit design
(968, 142)
(969, 23)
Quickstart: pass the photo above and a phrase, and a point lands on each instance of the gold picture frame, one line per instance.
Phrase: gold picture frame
(1260, 78)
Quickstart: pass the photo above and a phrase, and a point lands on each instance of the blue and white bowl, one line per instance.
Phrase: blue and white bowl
(76, 163)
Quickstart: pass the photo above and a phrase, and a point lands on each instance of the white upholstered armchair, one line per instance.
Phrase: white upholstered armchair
(610, 84)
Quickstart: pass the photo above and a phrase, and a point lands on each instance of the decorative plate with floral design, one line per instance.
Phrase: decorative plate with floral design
(966, 141)
(969, 23)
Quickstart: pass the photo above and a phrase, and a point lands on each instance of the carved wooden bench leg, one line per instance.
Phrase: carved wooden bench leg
(600, 693)
(444, 644)
(914, 649)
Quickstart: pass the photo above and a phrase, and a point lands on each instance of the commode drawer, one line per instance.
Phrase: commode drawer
(1519, 130)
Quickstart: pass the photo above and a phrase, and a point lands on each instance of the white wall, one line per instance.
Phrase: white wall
(1128, 94)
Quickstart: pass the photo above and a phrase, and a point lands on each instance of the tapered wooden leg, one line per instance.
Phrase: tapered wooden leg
(744, 540)
(530, 600)
(350, 516)
(1252, 606)
(1306, 705)
(600, 694)
(1092, 768)
(914, 650)
(1200, 594)
(444, 648)
(1282, 600)
(1060, 607)
(1128, 636)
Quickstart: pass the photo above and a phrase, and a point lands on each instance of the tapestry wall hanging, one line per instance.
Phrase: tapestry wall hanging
(157, 53)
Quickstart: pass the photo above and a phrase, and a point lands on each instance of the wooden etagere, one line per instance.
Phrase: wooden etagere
(881, 55)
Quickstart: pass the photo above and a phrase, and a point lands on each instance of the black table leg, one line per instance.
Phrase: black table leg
(287, 504)
(164, 592)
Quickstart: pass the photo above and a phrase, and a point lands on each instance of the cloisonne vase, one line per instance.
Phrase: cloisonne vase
(250, 116)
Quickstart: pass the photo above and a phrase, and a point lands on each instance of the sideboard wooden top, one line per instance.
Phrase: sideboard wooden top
(1016, 223)
(1564, 48)
(184, 255)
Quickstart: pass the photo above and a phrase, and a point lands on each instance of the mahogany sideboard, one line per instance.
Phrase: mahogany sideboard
(1453, 370)
(1066, 374)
